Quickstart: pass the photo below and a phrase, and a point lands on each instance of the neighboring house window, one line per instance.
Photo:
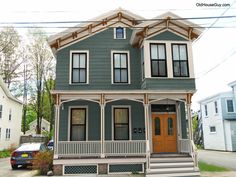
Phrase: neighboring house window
(0, 133)
(79, 68)
(158, 60)
(212, 129)
(180, 60)
(119, 33)
(10, 114)
(216, 107)
(206, 111)
(8, 133)
(230, 106)
(78, 124)
(120, 68)
(0, 111)
(121, 123)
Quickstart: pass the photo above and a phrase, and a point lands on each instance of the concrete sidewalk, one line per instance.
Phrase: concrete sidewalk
(219, 174)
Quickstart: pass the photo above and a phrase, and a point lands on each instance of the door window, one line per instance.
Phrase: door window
(170, 126)
(157, 126)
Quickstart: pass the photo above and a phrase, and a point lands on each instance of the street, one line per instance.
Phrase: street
(220, 158)
(6, 171)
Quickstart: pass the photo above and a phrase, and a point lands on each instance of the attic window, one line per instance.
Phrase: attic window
(119, 33)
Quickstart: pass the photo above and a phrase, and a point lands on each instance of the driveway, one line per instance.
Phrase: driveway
(6, 171)
(220, 158)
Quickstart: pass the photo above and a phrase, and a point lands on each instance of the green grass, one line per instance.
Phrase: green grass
(212, 168)
(5, 153)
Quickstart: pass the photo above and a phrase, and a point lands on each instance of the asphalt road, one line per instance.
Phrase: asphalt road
(224, 159)
(6, 171)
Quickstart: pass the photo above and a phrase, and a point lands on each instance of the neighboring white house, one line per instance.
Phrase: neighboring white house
(45, 127)
(10, 118)
(219, 120)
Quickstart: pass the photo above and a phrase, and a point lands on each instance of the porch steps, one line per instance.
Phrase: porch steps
(164, 166)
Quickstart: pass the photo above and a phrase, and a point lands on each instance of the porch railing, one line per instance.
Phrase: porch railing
(125, 148)
(79, 148)
(194, 154)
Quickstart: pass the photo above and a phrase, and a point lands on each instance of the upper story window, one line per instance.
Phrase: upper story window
(216, 107)
(230, 105)
(120, 71)
(180, 60)
(119, 33)
(0, 111)
(10, 114)
(158, 60)
(206, 111)
(79, 67)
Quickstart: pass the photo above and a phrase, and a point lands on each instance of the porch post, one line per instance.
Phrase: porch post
(146, 118)
(190, 127)
(56, 130)
(102, 106)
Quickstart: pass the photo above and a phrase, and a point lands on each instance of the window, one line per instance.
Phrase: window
(78, 124)
(121, 123)
(119, 33)
(170, 126)
(180, 60)
(0, 111)
(0, 133)
(206, 111)
(10, 114)
(230, 106)
(216, 107)
(120, 68)
(158, 60)
(212, 129)
(142, 65)
(79, 68)
(157, 126)
(8, 133)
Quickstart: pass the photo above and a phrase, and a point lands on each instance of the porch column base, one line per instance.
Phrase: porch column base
(55, 156)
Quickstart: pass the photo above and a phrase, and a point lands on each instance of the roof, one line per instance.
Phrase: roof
(7, 92)
(43, 120)
(232, 84)
(222, 94)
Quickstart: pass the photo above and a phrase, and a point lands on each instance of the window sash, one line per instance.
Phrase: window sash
(120, 34)
(79, 68)
(230, 106)
(216, 107)
(206, 111)
(0, 111)
(121, 125)
(120, 68)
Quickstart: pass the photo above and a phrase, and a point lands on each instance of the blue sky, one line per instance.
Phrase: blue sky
(214, 53)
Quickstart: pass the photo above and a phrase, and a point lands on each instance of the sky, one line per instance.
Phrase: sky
(214, 53)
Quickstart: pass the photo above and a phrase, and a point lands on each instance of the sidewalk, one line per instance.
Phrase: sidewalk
(219, 174)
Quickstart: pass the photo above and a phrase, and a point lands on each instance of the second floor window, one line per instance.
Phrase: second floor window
(206, 111)
(230, 106)
(158, 60)
(79, 68)
(10, 114)
(0, 111)
(120, 68)
(216, 107)
(180, 60)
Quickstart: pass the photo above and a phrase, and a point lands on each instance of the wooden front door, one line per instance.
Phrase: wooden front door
(164, 133)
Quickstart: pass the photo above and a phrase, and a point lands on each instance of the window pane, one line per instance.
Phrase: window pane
(120, 33)
(117, 60)
(123, 61)
(154, 52)
(155, 68)
(124, 75)
(157, 126)
(161, 51)
(176, 68)
(78, 116)
(170, 126)
(121, 132)
(78, 133)
(184, 68)
(121, 115)
(117, 75)
(183, 52)
(175, 52)
(82, 75)
(75, 75)
(75, 60)
(230, 106)
(162, 68)
(82, 60)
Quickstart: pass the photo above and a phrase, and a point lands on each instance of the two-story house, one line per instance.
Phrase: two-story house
(123, 90)
(219, 120)
(10, 118)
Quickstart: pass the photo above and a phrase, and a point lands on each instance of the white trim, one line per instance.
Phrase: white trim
(227, 105)
(128, 59)
(112, 120)
(69, 122)
(70, 67)
(124, 31)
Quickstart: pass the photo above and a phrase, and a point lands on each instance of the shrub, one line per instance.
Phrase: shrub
(5, 153)
(43, 162)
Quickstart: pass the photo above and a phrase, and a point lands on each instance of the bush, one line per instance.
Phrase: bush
(5, 153)
(43, 162)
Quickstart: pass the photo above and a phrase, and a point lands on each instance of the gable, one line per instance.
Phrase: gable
(167, 35)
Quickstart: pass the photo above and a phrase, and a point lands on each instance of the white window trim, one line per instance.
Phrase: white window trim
(112, 121)
(227, 105)
(124, 32)
(70, 70)
(69, 118)
(128, 59)
(210, 129)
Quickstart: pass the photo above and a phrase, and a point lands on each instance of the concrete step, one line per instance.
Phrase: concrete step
(171, 170)
(175, 174)
(171, 160)
(171, 165)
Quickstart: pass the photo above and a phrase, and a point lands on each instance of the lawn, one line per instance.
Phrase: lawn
(5, 153)
(212, 168)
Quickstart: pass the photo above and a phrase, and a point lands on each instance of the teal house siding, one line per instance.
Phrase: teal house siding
(99, 46)
(137, 119)
(167, 36)
(227, 115)
(183, 120)
(93, 120)
(168, 84)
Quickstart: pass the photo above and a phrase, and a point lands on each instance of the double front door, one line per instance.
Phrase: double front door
(164, 133)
